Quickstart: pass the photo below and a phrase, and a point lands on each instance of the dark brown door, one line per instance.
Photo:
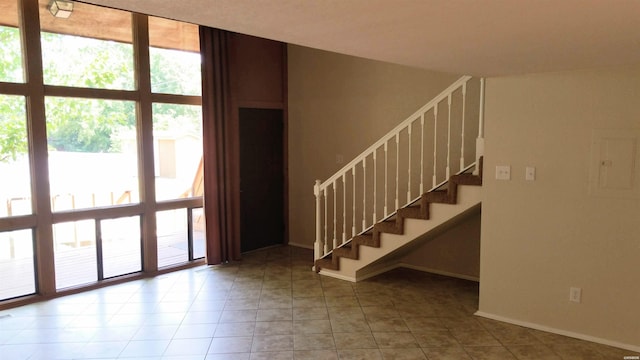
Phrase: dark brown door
(261, 178)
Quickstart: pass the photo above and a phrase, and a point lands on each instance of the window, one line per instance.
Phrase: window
(100, 159)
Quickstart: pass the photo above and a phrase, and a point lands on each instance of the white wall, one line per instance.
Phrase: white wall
(541, 238)
(340, 105)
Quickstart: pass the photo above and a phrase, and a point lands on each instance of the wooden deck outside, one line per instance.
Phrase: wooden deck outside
(78, 266)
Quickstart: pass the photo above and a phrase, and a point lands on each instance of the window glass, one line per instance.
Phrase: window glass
(175, 57)
(92, 153)
(197, 219)
(121, 252)
(173, 246)
(15, 191)
(177, 133)
(97, 56)
(11, 55)
(17, 271)
(75, 253)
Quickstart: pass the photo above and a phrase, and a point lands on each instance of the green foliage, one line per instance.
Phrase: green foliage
(13, 131)
(11, 55)
(91, 125)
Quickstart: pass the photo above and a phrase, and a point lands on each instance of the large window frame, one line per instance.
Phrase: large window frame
(43, 218)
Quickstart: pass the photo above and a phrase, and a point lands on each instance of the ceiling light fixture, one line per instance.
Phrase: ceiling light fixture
(60, 8)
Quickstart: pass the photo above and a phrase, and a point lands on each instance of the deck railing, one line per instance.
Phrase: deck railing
(442, 138)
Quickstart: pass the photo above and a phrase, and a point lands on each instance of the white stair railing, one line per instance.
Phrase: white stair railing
(422, 147)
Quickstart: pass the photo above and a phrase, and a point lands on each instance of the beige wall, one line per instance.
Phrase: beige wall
(540, 238)
(455, 252)
(340, 105)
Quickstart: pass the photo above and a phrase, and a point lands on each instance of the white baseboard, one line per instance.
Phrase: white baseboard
(439, 272)
(376, 271)
(304, 246)
(572, 334)
(337, 275)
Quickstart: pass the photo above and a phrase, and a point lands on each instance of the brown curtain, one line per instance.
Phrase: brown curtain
(220, 203)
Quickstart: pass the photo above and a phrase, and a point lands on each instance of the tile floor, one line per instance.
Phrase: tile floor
(272, 306)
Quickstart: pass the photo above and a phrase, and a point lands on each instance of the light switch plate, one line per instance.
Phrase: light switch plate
(503, 172)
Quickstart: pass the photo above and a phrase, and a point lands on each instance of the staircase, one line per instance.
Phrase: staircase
(361, 216)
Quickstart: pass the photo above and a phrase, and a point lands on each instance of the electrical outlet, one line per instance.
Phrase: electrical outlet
(339, 159)
(530, 173)
(575, 294)
(503, 172)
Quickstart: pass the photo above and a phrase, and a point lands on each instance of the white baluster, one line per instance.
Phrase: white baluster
(386, 178)
(397, 171)
(353, 229)
(326, 221)
(364, 192)
(375, 184)
(449, 139)
(464, 103)
(422, 154)
(344, 207)
(318, 248)
(335, 214)
(435, 145)
(409, 167)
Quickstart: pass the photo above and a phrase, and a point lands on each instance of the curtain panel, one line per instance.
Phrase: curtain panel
(221, 205)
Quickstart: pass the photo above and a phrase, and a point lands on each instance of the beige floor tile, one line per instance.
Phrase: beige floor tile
(424, 323)
(309, 301)
(345, 312)
(274, 315)
(312, 327)
(435, 338)
(315, 355)
(475, 338)
(395, 340)
(313, 342)
(235, 329)
(363, 340)
(350, 325)
(403, 354)
(446, 353)
(388, 324)
(272, 355)
(533, 352)
(310, 313)
(229, 316)
(489, 353)
(274, 328)
(272, 343)
(360, 354)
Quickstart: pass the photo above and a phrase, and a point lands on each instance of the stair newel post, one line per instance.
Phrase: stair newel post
(397, 171)
(464, 103)
(480, 139)
(318, 248)
(448, 172)
(375, 184)
(344, 207)
(435, 144)
(409, 167)
(421, 153)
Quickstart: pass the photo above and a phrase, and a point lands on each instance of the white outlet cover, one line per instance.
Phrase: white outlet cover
(503, 172)
(530, 173)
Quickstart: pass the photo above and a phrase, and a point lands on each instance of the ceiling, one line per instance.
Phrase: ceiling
(476, 37)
